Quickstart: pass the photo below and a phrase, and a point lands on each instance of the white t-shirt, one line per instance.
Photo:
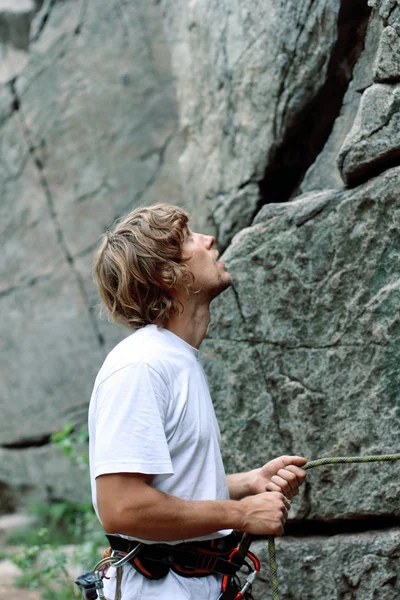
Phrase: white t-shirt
(151, 412)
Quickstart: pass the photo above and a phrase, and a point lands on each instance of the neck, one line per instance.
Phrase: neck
(191, 324)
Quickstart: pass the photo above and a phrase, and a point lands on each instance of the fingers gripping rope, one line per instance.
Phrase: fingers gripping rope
(337, 460)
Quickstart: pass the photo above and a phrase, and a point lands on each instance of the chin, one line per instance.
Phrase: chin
(224, 283)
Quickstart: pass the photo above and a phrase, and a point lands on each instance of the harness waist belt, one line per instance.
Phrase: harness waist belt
(189, 559)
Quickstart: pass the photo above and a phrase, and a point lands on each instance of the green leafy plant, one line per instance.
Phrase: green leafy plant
(73, 442)
(69, 523)
(44, 564)
(44, 568)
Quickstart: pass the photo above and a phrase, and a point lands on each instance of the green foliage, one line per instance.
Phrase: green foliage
(73, 443)
(42, 561)
(69, 523)
(44, 568)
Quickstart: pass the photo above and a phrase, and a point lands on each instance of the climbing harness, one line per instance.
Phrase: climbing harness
(224, 556)
(188, 559)
(231, 589)
(197, 559)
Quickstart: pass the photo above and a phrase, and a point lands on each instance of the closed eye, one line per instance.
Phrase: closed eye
(189, 236)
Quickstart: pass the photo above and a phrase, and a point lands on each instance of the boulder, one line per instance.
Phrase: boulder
(233, 211)
(353, 566)
(389, 10)
(387, 63)
(302, 354)
(373, 144)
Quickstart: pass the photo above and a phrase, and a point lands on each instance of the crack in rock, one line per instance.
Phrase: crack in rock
(43, 18)
(26, 443)
(306, 137)
(54, 216)
(24, 284)
(81, 17)
(294, 379)
(314, 527)
(235, 293)
(275, 404)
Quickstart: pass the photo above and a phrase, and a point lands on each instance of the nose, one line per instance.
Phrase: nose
(209, 241)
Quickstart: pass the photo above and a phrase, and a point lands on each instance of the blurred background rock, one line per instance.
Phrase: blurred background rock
(88, 131)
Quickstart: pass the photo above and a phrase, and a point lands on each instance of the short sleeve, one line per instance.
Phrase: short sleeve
(131, 407)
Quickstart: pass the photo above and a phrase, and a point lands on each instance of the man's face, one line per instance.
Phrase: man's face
(210, 275)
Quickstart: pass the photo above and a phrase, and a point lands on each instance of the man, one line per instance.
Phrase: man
(156, 468)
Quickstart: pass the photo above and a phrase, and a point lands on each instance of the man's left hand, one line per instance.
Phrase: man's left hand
(283, 474)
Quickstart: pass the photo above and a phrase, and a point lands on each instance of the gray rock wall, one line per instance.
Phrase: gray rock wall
(308, 342)
(88, 130)
(259, 86)
(356, 566)
(291, 118)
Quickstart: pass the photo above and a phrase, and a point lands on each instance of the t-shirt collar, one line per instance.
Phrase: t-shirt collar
(175, 339)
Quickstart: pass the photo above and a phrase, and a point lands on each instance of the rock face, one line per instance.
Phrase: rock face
(373, 141)
(323, 172)
(259, 86)
(15, 26)
(302, 353)
(88, 131)
(387, 67)
(355, 566)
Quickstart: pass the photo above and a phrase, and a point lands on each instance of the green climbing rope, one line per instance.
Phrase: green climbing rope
(337, 460)
(341, 460)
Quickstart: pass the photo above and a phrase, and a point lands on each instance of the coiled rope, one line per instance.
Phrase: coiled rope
(337, 460)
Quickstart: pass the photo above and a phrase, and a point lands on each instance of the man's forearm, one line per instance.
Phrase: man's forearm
(160, 516)
(240, 485)
(129, 505)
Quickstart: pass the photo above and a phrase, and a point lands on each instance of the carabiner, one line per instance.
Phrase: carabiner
(225, 592)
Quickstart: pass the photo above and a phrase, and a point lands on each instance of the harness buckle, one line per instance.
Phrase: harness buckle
(229, 590)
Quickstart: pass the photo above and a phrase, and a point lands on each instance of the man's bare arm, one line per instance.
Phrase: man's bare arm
(240, 485)
(128, 505)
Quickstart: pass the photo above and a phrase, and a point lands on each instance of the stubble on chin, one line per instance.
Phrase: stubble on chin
(225, 283)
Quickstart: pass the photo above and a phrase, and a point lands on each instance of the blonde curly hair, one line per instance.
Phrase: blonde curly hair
(139, 263)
